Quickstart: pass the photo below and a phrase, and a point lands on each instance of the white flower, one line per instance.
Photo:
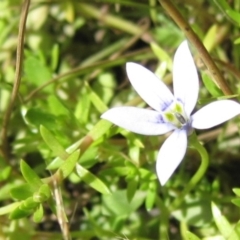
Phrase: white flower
(171, 112)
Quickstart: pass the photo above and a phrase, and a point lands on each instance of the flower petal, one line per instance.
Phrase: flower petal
(215, 113)
(138, 120)
(171, 154)
(185, 78)
(151, 89)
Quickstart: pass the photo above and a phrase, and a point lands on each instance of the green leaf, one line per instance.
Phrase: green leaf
(92, 180)
(22, 192)
(230, 14)
(36, 19)
(169, 38)
(222, 223)
(191, 236)
(209, 39)
(54, 57)
(5, 189)
(117, 203)
(236, 201)
(222, 4)
(9, 208)
(120, 171)
(36, 72)
(151, 195)
(28, 204)
(83, 107)
(237, 191)
(235, 16)
(195, 211)
(38, 214)
(24, 209)
(96, 227)
(161, 54)
(235, 235)
(146, 175)
(57, 107)
(37, 117)
(30, 176)
(95, 133)
(52, 143)
(6, 86)
(237, 41)
(69, 164)
(105, 86)
(99, 129)
(57, 162)
(45, 190)
(88, 158)
(19, 213)
(5, 172)
(132, 185)
(42, 194)
(211, 86)
(39, 198)
(96, 100)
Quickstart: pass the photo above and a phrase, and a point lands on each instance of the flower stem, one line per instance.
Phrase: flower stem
(18, 74)
(164, 219)
(198, 175)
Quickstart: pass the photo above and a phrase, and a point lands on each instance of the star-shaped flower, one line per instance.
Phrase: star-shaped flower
(170, 112)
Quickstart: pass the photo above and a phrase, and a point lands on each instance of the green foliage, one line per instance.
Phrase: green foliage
(38, 214)
(196, 211)
(224, 225)
(30, 176)
(236, 201)
(211, 86)
(91, 180)
(117, 203)
(79, 170)
(53, 144)
(22, 192)
(32, 194)
(36, 77)
(191, 236)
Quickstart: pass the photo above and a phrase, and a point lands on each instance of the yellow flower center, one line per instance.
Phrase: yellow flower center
(175, 115)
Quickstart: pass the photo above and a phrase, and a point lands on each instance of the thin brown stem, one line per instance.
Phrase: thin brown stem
(60, 211)
(193, 38)
(17, 80)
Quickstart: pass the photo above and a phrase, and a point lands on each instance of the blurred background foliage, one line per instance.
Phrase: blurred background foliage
(73, 70)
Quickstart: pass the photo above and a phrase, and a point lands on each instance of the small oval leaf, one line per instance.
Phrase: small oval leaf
(30, 176)
(19, 213)
(151, 195)
(213, 89)
(132, 187)
(92, 180)
(191, 236)
(9, 208)
(69, 164)
(38, 214)
(222, 223)
(236, 201)
(22, 192)
(52, 143)
(237, 191)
